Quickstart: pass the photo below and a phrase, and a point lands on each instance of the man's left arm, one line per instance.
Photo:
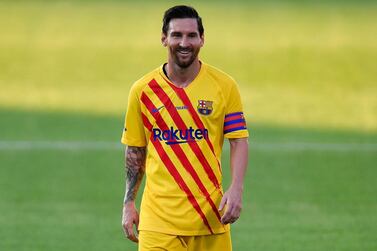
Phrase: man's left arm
(239, 149)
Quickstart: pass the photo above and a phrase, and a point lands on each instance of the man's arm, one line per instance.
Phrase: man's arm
(135, 169)
(239, 149)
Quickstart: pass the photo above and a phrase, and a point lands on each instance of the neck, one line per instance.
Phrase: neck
(182, 77)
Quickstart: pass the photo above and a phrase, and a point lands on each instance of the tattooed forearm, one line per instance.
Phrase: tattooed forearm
(135, 169)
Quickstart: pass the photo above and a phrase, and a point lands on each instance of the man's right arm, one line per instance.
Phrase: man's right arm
(135, 169)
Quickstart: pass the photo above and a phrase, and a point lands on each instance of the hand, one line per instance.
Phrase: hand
(129, 218)
(233, 199)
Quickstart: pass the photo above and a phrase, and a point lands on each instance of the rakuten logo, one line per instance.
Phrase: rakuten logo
(177, 136)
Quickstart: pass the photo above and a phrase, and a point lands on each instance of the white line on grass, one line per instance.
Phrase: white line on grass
(312, 146)
(266, 146)
(59, 145)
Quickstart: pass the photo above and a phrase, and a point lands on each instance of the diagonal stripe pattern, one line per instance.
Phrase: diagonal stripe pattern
(194, 146)
(164, 98)
(183, 159)
(186, 101)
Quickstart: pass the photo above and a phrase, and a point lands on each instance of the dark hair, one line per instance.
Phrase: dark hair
(181, 11)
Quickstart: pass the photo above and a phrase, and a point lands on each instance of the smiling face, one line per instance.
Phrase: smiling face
(183, 41)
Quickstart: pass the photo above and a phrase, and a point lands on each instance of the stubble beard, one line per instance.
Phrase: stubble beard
(185, 64)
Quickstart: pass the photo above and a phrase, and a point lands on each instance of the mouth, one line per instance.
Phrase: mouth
(184, 52)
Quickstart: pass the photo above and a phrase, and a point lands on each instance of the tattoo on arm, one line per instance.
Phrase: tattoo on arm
(135, 169)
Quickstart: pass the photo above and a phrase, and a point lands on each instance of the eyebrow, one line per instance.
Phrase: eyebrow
(179, 33)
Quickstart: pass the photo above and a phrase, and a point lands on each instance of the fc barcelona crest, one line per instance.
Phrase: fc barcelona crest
(205, 107)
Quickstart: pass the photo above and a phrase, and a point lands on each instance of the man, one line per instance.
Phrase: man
(177, 118)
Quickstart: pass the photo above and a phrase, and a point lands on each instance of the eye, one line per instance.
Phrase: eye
(193, 35)
(175, 34)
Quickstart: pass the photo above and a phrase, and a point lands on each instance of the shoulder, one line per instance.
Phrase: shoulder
(224, 80)
(139, 85)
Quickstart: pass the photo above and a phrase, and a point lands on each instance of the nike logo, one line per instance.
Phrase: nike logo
(157, 109)
(183, 107)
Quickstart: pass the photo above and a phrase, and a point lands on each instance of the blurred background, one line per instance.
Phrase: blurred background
(307, 71)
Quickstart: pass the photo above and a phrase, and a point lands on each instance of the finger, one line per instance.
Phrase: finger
(137, 228)
(235, 214)
(124, 226)
(236, 211)
(137, 223)
(129, 231)
(125, 231)
(225, 219)
(131, 234)
(227, 215)
(222, 203)
(233, 220)
(133, 238)
(232, 213)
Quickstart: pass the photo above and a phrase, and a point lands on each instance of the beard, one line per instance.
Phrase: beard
(184, 63)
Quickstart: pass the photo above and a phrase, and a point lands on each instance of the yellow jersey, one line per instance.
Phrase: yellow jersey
(183, 130)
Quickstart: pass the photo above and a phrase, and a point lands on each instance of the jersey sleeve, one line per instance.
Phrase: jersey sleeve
(133, 132)
(234, 120)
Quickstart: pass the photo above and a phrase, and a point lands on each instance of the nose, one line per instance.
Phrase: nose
(184, 42)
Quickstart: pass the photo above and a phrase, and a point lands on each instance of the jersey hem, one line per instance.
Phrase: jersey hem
(132, 143)
(236, 135)
(185, 233)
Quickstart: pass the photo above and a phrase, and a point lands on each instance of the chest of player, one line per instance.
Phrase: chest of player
(185, 108)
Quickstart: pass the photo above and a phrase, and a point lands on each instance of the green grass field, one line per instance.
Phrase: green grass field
(308, 78)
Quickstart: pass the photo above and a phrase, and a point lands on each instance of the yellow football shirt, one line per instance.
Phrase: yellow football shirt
(183, 130)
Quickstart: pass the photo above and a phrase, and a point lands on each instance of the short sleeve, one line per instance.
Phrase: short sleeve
(234, 120)
(133, 132)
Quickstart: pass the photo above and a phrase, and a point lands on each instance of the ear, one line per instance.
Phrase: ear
(202, 40)
(164, 40)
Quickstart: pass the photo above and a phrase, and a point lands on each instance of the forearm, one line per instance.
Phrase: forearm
(135, 169)
(239, 150)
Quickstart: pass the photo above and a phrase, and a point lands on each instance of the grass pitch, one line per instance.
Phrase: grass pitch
(307, 77)
(295, 198)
